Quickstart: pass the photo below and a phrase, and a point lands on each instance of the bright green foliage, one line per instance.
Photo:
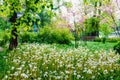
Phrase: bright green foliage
(29, 10)
(28, 37)
(117, 47)
(105, 25)
(55, 35)
(48, 35)
(4, 24)
(105, 29)
(91, 25)
(4, 37)
(45, 16)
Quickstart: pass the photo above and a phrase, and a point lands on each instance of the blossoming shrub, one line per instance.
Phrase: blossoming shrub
(43, 62)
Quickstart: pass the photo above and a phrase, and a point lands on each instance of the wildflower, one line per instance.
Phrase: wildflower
(68, 65)
(67, 72)
(19, 68)
(111, 70)
(6, 76)
(105, 72)
(30, 65)
(93, 77)
(58, 77)
(98, 68)
(24, 75)
(46, 74)
(15, 74)
(78, 76)
(66, 77)
(89, 71)
(12, 68)
(75, 72)
(39, 79)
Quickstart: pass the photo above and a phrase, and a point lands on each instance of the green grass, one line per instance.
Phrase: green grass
(99, 45)
(3, 65)
(90, 45)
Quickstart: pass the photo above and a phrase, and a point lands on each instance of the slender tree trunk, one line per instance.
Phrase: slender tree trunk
(76, 39)
(14, 37)
(76, 34)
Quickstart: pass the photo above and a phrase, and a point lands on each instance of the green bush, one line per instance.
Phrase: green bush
(107, 39)
(47, 35)
(55, 35)
(27, 37)
(117, 47)
(4, 37)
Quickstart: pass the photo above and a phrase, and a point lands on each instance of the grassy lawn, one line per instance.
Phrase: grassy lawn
(91, 45)
(94, 61)
(100, 45)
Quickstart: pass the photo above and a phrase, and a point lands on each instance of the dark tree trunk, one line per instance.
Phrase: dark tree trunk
(14, 37)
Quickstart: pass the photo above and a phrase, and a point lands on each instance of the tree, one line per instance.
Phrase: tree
(28, 8)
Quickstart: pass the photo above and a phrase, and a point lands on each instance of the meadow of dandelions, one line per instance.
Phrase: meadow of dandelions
(43, 62)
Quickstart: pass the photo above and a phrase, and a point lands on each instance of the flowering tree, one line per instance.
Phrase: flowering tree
(109, 17)
(75, 19)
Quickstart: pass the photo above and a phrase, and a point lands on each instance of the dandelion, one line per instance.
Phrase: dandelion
(98, 68)
(30, 65)
(75, 73)
(62, 73)
(45, 74)
(22, 65)
(78, 76)
(111, 70)
(24, 75)
(15, 74)
(39, 79)
(58, 77)
(66, 77)
(69, 65)
(6, 77)
(82, 77)
(93, 77)
(12, 68)
(89, 71)
(20, 68)
(105, 72)
(67, 72)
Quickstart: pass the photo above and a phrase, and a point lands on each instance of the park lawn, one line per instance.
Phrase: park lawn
(95, 61)
(100, 45)
(91, 45)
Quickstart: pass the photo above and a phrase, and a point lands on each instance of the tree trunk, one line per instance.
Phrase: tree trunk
(14, 37)
(76, 39)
